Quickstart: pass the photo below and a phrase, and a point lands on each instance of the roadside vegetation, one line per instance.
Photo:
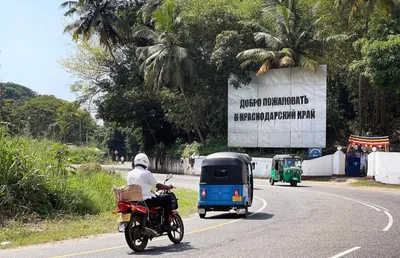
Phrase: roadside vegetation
(34, 230)
(43, 199)
(186, 150)
(80, 155)
(367, 183)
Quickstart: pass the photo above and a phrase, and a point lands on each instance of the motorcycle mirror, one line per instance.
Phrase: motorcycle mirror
(169, 176)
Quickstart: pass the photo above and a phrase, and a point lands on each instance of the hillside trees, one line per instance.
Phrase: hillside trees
(175, 59)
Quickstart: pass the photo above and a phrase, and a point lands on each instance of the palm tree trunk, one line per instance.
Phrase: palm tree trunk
(383, 112)
(360, 106)
(112, 54)
(196, 125)
(151, 131)
(360, 83)
(367, 23)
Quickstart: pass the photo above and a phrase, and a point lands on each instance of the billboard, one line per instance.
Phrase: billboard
(284, 108)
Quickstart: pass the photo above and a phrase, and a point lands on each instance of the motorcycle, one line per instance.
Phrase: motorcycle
(142, 224)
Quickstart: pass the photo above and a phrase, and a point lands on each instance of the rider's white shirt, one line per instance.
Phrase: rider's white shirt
(144, 178)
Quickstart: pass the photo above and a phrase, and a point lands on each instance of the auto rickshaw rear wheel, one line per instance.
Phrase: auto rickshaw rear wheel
(293, 183)
(202, 216)
(271, 181)
(246, 211)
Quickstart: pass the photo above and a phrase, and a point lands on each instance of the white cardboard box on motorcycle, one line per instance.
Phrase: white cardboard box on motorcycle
(132, 193)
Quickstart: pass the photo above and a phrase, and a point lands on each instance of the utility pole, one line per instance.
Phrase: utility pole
(80, 132)
(1, 98)
(87, 138)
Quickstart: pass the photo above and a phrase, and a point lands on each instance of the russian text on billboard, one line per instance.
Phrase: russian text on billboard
(288, 106)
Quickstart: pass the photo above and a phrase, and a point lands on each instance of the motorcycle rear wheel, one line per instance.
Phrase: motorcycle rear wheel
(177, 229)
(135, 240)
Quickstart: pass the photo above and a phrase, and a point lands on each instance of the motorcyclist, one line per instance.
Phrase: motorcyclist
(140, 175)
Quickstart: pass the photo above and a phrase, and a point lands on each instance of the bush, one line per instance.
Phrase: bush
(80, 155)
(27, 173)
(211, 146)
(90, 193)
(90, 168)
(220, 145)
(34, 179)
(190, 149)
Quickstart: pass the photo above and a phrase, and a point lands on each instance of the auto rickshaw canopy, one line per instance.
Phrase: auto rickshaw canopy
(280, 157)
(225, 168)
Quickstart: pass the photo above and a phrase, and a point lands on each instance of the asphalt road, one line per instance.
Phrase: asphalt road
(311, 220)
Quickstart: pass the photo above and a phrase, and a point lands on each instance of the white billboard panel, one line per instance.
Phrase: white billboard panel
(282, 108)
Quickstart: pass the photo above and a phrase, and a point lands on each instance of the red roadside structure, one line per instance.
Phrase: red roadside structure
(381, 143)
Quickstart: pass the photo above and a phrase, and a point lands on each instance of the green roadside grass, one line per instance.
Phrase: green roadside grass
(69, 227)
(365, 183)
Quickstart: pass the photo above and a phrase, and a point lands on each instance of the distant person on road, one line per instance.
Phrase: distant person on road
(140, 175)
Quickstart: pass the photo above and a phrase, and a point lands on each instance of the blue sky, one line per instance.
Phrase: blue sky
(31, 45)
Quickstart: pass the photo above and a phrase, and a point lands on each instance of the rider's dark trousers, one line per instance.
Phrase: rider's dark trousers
(164, 201)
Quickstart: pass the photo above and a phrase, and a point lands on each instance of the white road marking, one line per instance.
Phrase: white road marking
(346, 252)
(386, 211)
(390, 221)
(353, 200)
(376, 205)
(254, 213)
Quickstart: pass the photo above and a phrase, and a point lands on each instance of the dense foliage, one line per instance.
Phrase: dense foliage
(35, 179)
(15, 91)
(162, 77)
(45, 116)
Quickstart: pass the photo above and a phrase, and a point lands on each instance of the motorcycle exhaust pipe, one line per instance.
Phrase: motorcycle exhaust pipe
(149, 232)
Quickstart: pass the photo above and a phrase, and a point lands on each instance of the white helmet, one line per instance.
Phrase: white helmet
(141, 159)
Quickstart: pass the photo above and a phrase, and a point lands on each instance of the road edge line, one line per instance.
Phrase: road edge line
(390, 223)
(353, 200)
(346, 252)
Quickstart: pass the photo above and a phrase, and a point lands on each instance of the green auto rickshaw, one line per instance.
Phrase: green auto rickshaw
(286, 168)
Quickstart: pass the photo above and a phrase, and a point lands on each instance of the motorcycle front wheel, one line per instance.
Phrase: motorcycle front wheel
(135, 240)
(177, 229)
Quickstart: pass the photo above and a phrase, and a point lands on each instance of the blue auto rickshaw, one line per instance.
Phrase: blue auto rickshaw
(226, 183)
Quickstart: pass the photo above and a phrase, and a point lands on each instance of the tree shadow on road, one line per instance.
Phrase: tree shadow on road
(288, 185)
(160, 250)
(233, 215)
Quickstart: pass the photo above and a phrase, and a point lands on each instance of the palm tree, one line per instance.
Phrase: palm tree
(166, 62)
(369, 7)
(95, 17)
(290, 41)
(147, 10)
